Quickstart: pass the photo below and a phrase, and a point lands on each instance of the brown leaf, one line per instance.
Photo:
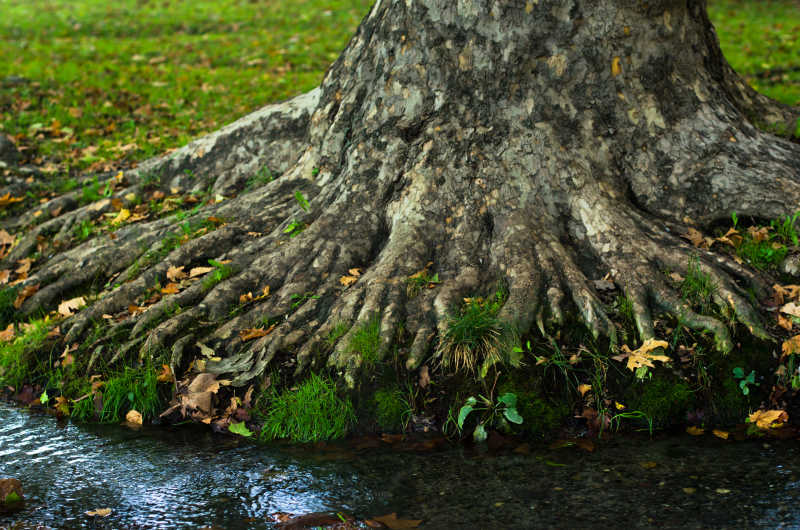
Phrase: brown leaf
(791, 346)
(134, 416)
(791, 309)
(583, 388)
(785, 323)
(175, 274)
(394, 523)
(204, 382)
(758, 234)
(7, 335)
(695, 238)
(254, 333)
(731, 238)
(67, 308)
(166, 375)
(245, 298)
(720, 434)
(199, 271)
(642, 356)
(24, 266)
(347, 281)
(424, 376)
(5, 274)
(100, 512)
(170, 288)
(695, 431)
(24, 294)
(6, 238)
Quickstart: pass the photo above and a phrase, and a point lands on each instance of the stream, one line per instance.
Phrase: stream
(187, 477)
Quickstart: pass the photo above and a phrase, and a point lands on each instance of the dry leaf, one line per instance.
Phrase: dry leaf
(166, 375)
(5, 274)
(24, 294)
(642, 356)
(616, 66)
(199, 271)
(244, 298)
(171, 288)
(720, 434)
(731, 238)
(768, 419)
(695, 238)
(758, 234)
(7, 334)
(354, 272)
(785, 323)
(175, 274)
(24, 266)
(790, 346)
(583, 388)
(347, 281)
(6, 238)
(67, 308)
(695, 431)
(264, 293)
(791, 309)
(7, 199)
(100, 512)
(424, 376)
(123, 215)
(254, 333)
(133, 416)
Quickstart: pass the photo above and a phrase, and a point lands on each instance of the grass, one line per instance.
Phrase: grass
(310, 413)
(135, 389)
(110, 83)
(366, 341)
(393, 409)
(16, 366)
(698, 288)
(761, 40)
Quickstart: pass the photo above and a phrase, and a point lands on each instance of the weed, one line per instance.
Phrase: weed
(220, 272)
(416, 282)
(496, 414)
(310, 413)
(294, 228)
(135, 389)
(616, 419)
(476, 339)
(785, 229)
(393, 409)
(84, 230)
(745, 380)
(300, 299)
(301, 200)
(366, 341)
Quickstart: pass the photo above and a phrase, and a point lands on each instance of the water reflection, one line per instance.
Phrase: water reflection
(185, 477)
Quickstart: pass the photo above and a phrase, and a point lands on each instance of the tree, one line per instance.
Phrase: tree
(538, 144)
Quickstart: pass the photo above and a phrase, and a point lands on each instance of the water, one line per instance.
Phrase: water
(187, 477)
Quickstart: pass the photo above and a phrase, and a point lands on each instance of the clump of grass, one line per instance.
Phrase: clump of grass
(16, 365)
(312, 412)
(392, 409)
(698, 288)
(220, 272)
(476, 337)
(366, 340)
(132, 389)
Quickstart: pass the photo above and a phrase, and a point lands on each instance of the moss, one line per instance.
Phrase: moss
(312, 412)
(391, 408)
(540, 416)
(366, 341)
(663, 400)
(728, 402)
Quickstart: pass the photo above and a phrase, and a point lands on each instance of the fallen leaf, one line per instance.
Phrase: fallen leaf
(696, 238)
(100, 512)
(24, 294)
(791, 346)
(254, 333)
(176, 274)
(768, 419)
(616, 66)
(785, 323)
(123, 215)
(689, 491)
(7, 199)
(199, 271)
(6, 238)
(7, 334)
(245, 298)
(695, 431)
(67, 308)
(354, 272)
(347, 281)
(648, 465)
(642, 356)
(5, 274)
(133, 416)
(424, 376)
(720, 434)
(24, 266)
(240, 429)
(166, 375)
(731, 238)
(392, 522)
(758, 234)
(170, 288)
(583, 388)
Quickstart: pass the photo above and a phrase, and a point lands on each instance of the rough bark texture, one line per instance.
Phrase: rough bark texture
(535, 143)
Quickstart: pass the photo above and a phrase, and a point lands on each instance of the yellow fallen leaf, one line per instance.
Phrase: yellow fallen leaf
(354, 272)
(254, 333)
(791, 346)
(347, 281)
(264, 293)
(619, 405)
(7, 199)
(785, 323)
(583, 388)
(166, 375)
(176, 274)
(648, 465)
(244, 298)
(133, 416)
(758, 234)
(25, 293)
(68, 308)
(695, 431)
(7, 335)
(100, 512)
(642, 356)
(731, 238)
(170, 288)
(720, 434)
(5, 274)
(768, 419)
(616, 66)
(24, 266)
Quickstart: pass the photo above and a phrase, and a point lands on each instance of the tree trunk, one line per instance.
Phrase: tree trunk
(536, 144)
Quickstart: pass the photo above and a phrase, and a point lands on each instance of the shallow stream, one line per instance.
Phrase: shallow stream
(182, 477)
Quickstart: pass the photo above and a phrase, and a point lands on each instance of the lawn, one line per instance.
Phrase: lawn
(96, 85)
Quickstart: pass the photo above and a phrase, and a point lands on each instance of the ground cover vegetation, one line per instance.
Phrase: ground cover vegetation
(146, 323)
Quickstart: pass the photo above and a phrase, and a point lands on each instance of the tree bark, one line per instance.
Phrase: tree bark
(537, 144)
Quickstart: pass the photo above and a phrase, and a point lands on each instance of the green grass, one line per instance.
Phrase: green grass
(310, 413)
(134, 78)
(698, 288)
(392, 409)
(761, 40)
(135, 389)
(16, 363)
(366, 341)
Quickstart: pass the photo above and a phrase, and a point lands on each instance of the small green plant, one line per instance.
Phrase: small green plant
(84, 230)
(220, 272)
(476, 339)
(337, 333)
(786, 230)
(261, 177)
(240, 428)
(300, 299)
(393, 409)
(616, 420)
(366, 340)
(420, 280)
(301, 200)
(495, 414)
(294, 228)
(310, 413)
(745, 380)
(698, 288)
